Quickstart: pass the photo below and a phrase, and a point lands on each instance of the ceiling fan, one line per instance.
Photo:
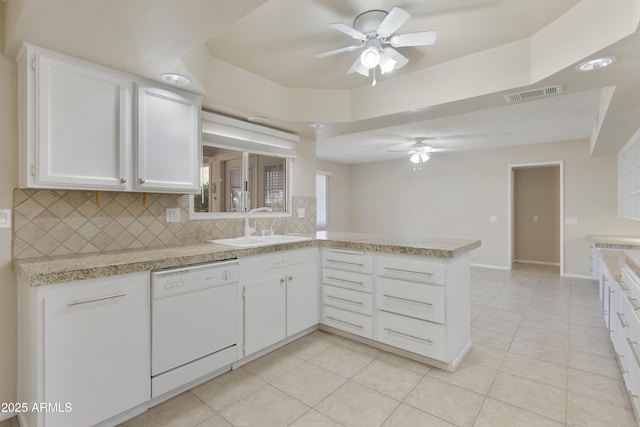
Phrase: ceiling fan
(419, 151)
(375, 29)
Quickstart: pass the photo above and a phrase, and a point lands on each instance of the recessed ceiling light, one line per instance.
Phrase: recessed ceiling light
(176, 79)
(318, 125)
(258, 119)
(596, 64)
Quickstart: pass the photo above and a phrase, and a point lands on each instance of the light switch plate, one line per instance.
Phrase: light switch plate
(535, 218)
(301, 213)
(5, 218)
(173, 214)
(493, 218)
(571, 221)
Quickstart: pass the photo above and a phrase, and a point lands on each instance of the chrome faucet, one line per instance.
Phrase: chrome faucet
(247, 229)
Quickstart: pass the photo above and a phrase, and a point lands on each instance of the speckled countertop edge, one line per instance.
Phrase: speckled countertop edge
(52, 270)
(616, 242)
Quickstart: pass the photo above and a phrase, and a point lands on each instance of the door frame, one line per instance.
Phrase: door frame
(510, 208)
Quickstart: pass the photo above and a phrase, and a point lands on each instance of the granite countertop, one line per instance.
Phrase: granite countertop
(614, 263)
(51, 270)
(616, 242)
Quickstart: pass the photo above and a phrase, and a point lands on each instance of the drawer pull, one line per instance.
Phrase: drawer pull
(624, 288)
(633, 405)
(633, 350)
(428, 304)
(634, 303)
(621, 365)
(391, 331)
(400, 270)
(346, 251)
(624, 325)
(345, 322)
(355, 264)
(345, 300)
(352, 282)
(86, 301)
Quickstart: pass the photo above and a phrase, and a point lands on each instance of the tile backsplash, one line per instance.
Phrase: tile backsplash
(61, 222)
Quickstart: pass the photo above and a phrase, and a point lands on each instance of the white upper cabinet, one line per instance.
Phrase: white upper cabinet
(629, 179)
(82, 128)
(168, 125)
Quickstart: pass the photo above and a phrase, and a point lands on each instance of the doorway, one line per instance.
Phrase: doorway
(536, 204)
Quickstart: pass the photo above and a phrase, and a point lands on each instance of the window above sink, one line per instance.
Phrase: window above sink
(243, 166)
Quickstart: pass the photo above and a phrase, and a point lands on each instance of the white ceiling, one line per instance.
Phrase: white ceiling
(258, 57)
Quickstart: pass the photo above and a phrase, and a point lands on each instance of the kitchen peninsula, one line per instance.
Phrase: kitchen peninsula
(405, 295)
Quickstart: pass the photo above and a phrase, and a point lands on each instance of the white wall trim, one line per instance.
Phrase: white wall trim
(493, 267)
(7, 415)
(526, 261)
(577, 276)
(510, 178)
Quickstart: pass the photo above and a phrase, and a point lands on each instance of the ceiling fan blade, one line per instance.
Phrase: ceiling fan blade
(422, 38)
(393, 21)
(348, 31)
(336, 51)
(400, 59)
(357, 67)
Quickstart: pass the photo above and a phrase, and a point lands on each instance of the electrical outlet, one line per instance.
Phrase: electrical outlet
(5, 218)
(301, 213)
(535, 218)
(493, 218)
(571, 221)
(173, 214)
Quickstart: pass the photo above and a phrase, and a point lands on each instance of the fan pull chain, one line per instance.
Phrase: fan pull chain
(373, 83)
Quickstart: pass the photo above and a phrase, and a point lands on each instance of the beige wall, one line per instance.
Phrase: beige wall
(8, 180)
(536, 193)
(455, 194)
(338, 202)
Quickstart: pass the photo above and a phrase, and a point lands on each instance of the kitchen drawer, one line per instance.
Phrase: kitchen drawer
(346, 279)
(417, 336)
(412, 299)
(355, 323)
(348, 260)
(347, 299)
(413, 269)
(631, 287)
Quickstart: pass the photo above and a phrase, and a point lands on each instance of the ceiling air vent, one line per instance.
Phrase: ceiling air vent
(534, 93)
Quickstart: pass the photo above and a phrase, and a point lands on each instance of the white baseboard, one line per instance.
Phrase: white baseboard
(493, 267)
(578, 276)
(526, 261)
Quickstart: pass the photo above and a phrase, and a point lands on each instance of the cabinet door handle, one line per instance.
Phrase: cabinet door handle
(290, 278)
(141, 180)
(355, 264)
(634, 303)
(624, 288)
(400, 270)
(621, 365)
(428, 304)
(633, 350)
(391, 331)
(353, 282)
(86, 301)
(123, 180)
(624, 325)
(345, 322)
(345, 300)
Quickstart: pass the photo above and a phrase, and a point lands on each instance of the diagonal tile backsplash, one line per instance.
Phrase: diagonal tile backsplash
(61, 222)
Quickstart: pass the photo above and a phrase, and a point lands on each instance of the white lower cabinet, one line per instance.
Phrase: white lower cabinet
(280, 297)
(86, 349)
(414, 303)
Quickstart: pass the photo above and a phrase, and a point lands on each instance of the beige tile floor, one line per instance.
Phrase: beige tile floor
(541, 356)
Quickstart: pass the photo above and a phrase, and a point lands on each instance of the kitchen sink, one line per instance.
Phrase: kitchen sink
(255, 241)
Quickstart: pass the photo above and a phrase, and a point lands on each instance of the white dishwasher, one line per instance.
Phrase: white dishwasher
(193, 323)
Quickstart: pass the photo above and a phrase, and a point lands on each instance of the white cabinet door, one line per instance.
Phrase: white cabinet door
(96, 350)
(82, 126)
(265, 313)
(303, 299)
(168, 143)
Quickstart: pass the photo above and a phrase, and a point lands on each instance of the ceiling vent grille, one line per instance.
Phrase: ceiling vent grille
(534, 93)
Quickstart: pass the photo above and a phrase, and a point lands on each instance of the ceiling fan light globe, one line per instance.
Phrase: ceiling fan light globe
(387, 64)
(424, 157)
(370, 57)
(415, 158)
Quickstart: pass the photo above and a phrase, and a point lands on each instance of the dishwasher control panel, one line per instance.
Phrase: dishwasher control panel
(166, 283)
